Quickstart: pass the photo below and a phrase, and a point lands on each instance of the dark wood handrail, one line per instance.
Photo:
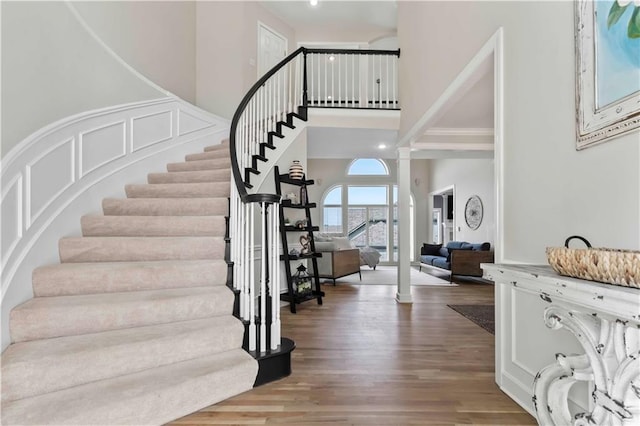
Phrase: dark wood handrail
(235, 168)
(237, 175)
(355, 51)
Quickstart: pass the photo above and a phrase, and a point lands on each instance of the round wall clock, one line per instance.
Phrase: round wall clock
(473, 212)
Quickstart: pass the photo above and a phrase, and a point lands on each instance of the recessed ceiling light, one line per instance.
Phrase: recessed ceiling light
(329, 97)
(313, 2)
(332, 58)
(382, 146)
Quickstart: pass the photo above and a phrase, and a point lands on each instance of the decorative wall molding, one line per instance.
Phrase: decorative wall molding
(90, 142)
(54, 172)
(51, 168)
(452, 146)
(150, 129)
(458, 131)
(12, 216)
(190, 122)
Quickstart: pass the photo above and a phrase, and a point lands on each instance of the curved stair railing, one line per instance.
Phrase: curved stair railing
(334, 78)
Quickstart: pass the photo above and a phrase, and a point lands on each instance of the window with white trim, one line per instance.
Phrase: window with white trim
(366, 213)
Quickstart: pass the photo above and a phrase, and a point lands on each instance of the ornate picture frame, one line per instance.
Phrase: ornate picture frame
(606, 107)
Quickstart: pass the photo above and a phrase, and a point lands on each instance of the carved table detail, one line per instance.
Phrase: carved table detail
(611, 363)
(605, 321)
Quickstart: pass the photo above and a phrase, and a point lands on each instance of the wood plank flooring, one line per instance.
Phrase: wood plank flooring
(363, 359)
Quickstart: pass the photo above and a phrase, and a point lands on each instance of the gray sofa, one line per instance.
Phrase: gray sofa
(341, 258)
(457, 257)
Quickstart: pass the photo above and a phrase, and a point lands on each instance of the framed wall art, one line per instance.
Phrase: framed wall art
(608, 69)
(473, 212)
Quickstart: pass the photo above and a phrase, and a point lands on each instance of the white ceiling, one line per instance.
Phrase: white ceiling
(473, 110)
(333, 142)
(362, 14)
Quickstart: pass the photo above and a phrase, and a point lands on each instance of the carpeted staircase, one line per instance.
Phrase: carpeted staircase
(135, 326)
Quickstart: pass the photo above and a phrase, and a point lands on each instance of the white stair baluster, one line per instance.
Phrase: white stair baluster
(326, 87)
(263, 278)
(312, 73)
(252, 279)
(275, 280)
(379, 81)
(387, 78)
(393, 79)
(245, 262)
(339, 79)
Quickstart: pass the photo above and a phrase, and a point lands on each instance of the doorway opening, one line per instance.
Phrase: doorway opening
(443, 216)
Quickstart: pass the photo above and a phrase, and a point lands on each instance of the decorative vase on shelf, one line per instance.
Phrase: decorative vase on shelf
(296, 171)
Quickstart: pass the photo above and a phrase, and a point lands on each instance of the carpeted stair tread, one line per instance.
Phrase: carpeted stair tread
(68, 279)
(152, 226)
(178, 190)
(218, 175)
(216, 163)
(223, 146)
(165, 206)
(47, 317)
(48, 365)
(135, 326)
(127, 249)
(150, 397)
(208, 155)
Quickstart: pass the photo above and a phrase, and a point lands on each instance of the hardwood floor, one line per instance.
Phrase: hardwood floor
(363, 359)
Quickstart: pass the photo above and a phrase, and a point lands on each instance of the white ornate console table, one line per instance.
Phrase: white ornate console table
(588, 374)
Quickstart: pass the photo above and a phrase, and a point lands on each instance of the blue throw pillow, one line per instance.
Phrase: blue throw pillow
(444, 252)
(455, 244)
(481, 247)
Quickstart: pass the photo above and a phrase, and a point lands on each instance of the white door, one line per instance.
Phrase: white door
(272, 48)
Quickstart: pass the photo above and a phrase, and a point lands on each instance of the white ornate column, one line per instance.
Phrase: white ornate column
(603, 319)
(404, 226)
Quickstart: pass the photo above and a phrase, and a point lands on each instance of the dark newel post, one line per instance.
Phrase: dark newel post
(305, 98)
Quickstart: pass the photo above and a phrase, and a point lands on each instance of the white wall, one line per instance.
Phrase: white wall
(470, 177)
(328, 173)
(226, 52)
(550, 189)
(52, 68)
(340, 33)
(157, 38)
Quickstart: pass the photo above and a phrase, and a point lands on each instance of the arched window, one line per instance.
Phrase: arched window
(332, 211)
(367, 167)
(366, 213)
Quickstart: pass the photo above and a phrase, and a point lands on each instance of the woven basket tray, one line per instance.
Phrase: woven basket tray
(611, 266)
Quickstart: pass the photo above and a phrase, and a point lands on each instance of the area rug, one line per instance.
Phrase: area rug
(387, 275)
(482, 315)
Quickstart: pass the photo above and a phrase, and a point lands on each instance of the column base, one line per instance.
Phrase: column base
(404, 298)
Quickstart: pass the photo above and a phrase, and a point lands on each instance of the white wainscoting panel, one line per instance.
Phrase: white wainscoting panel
(47, 176)
(11, 217)
(189, 122)
(150, 129)
(525, 362)
(63, 171)
(101, 145)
